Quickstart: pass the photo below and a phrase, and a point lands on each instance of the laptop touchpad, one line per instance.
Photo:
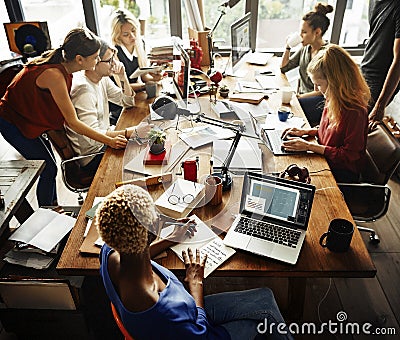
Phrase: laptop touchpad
(260, 246)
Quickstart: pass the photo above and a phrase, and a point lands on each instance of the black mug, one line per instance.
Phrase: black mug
(338, 236)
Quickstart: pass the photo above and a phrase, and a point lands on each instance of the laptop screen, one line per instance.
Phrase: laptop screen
(271, 199)
(275, 199)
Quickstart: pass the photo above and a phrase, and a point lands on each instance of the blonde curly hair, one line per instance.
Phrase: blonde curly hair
(124, 218)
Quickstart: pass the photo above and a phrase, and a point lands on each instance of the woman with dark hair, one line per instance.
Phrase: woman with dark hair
(313, 26)
(38, 100)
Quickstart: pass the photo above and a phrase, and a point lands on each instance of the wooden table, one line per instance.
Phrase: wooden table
(16, 179)
(314, 260)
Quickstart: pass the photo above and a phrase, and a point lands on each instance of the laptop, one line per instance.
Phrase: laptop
(273, 141)
(273, 217)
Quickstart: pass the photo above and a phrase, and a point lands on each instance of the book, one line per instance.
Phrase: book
(247, 156)
(252, 98)
(43, 229)
(186, 194)
(207, 241)
(160, 159)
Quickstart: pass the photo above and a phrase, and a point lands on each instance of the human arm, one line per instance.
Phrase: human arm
(53, 80)
(179, 234)
(195, 275)
(292, 62)
(151, 76)
(122, 80)
(389, 86)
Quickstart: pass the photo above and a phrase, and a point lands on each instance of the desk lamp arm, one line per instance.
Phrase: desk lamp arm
(210, 37)
(226, 180)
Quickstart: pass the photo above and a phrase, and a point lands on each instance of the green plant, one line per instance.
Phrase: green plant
(156, 136)
(224, 88)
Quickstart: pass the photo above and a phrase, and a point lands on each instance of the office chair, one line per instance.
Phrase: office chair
(75, 178)
(119, 323)
(8, 70)
(369, 200)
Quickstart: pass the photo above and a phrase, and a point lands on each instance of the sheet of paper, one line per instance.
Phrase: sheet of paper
(205, 134)
(217, 253)
(207, 242)
(257, 111)
(247, 155)
(44, 229)
(272, 122)
(203, 235)
(136, 164)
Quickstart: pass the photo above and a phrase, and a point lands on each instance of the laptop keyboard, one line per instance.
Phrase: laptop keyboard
(268, 231)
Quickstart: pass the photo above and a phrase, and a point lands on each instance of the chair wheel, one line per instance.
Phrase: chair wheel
(374, 239)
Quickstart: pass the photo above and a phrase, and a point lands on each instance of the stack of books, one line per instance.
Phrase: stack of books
(161, 54)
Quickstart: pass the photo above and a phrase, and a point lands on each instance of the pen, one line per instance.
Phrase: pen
(180, 224)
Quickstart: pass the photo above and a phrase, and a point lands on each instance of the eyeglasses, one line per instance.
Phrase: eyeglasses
(187, 199)
(109, 61)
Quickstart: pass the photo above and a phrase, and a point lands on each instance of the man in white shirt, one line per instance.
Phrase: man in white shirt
(90, 93)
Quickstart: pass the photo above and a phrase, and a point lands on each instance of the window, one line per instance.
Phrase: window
(152, 14)
(355, 23)
(3, 39)
(61, 16)
(222, 34)
(277, 19)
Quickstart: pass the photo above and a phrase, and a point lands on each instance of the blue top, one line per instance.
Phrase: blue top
(174, 316)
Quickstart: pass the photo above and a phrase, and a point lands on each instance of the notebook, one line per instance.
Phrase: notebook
(273, 140)
(273, 217)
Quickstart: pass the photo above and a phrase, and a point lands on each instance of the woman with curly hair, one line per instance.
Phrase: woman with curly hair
(151, 302)
(342, 134)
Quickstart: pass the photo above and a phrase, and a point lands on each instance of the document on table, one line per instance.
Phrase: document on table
(207, 242)
(205, 134)
(44, 229)
(140, 71)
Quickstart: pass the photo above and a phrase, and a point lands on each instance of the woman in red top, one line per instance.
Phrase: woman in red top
(342, 134)
(38, 100)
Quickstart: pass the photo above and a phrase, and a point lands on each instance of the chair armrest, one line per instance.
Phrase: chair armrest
(77, 158)
(366, 202)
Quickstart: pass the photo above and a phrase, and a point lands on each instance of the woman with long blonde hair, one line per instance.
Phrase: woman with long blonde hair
(125, 35)
(342, 134)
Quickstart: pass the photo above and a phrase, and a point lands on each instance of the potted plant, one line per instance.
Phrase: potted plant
(157, 139)
(224, 91)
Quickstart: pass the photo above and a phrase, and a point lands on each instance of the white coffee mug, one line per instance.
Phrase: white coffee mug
(294, 39)
(286, 95)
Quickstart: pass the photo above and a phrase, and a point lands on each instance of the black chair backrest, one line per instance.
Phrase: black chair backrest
(7, 73)
(75, 176)
(383, 156)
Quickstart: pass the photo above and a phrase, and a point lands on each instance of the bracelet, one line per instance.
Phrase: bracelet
(288, 48)
(126, 134)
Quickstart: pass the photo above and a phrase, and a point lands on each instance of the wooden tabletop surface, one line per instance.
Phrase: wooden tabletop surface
(314, 261)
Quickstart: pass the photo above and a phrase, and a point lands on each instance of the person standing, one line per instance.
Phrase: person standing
(381, 62)
(313, 26)
(91, 90)
(38, 100)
